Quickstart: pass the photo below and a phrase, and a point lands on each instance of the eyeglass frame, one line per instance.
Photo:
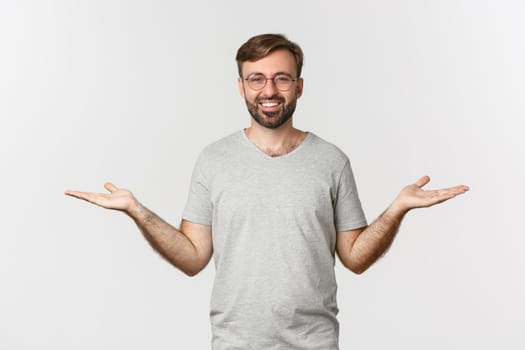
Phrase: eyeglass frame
(273, 79)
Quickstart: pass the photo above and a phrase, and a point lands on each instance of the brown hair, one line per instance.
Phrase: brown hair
(261, 45)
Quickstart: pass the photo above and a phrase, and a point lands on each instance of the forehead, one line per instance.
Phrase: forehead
(279, 61)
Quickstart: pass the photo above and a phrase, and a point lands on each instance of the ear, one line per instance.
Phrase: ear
(241, 86)
(300, 83)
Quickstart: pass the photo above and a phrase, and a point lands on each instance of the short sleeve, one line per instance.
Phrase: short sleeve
(348, 213)
(198, 207)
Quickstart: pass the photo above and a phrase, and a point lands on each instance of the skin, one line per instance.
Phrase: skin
(271, 117)
(190, 247)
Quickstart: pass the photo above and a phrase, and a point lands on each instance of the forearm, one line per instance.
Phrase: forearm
(169, 242)
(360, 248)
(376, 239)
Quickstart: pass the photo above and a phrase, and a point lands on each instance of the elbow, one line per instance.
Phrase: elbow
(193, 270)
(191, 273)
(190, 267)
(355, 267)
(358, 270)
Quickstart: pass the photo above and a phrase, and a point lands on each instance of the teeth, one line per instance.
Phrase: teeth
(269, 104)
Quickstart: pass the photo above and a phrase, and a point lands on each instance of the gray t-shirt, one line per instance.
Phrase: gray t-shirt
(274, 222)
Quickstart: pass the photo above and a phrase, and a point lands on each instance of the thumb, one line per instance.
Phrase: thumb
(423, 181)
(110, 187)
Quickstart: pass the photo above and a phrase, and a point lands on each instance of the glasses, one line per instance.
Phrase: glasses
(258, 81)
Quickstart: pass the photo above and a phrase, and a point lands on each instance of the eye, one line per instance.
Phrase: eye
(256, 78)
(282, 79)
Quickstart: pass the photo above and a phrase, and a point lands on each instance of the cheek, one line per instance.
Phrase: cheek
(291, 98)
(250, 97)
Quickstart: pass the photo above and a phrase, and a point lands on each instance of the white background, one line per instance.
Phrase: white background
(130, 91)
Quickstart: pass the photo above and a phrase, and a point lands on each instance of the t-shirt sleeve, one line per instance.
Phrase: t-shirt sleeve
(198, 207)
(348, 212)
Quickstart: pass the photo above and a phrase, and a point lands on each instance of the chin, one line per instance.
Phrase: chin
(272, 122)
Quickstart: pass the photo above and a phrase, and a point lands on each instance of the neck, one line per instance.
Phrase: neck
(275, 142)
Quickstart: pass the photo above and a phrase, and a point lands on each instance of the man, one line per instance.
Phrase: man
(273, 204)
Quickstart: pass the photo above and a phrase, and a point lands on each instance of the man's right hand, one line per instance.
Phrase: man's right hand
(188, 249)
(117, 198)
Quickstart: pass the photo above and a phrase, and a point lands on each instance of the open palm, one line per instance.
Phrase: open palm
(117, 198)
(413, 196)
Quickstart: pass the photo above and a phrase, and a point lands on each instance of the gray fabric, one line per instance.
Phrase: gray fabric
(274, 223)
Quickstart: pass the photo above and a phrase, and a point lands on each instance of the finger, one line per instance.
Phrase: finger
(423, 181)
(456, 189)
(87, 196)
(110, 187)
(72, 193)
(439, 196)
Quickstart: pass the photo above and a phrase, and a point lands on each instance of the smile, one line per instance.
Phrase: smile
(270, 104)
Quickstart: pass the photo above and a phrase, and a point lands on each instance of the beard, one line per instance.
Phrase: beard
(271, 120)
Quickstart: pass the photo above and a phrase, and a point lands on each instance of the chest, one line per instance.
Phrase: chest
(282, 188)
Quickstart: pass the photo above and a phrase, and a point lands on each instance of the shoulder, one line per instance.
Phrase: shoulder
(327, 150)
(219, 150)
(221, 146)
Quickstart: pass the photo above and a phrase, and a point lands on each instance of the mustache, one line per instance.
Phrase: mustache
(267, 99)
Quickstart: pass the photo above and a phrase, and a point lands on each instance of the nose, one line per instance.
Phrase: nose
(270, 89)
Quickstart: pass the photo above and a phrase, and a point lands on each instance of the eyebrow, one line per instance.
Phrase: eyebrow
(278, 73)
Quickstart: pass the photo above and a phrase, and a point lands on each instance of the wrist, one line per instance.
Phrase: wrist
(397, 210)
(134, 209)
